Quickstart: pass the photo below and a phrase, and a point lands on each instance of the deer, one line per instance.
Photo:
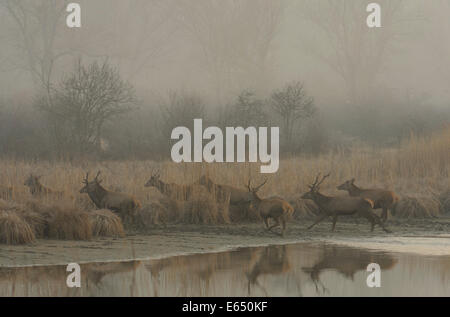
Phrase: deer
(39, 190)
(122, 203)
(275, 208)
(341, 206)
(175, 191)
(274, 260)
(381, 198)
(237, 196)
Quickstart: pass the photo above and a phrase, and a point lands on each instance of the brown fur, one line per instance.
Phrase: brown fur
(122, 203)
(38, 190)
(275, 208)
(341, 206)
(237, 196)
(381, 198)
(175, 191)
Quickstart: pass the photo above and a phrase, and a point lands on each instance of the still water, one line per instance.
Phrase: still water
(306, 269)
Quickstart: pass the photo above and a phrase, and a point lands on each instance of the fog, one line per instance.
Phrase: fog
(218, 48)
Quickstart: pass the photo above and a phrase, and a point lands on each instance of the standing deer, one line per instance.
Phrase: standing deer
(381, 198)
(121, 203)
(341, 206)
(275, 208)
(39, 190)
(237, 196)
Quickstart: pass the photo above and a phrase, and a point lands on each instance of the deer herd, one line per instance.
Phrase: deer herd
(361, 202)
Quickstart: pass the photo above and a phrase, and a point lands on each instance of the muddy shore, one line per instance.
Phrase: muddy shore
(426, 236)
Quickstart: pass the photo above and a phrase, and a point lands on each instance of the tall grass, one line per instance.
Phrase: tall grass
(420, 165)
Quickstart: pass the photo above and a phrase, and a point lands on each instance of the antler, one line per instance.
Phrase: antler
(256, 188)
(96, 177)
(86, 179)
(323, 178)
(317, 183)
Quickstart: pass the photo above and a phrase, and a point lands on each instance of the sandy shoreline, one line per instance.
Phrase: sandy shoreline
(426, 237)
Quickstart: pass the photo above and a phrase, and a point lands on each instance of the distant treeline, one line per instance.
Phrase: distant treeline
(92, 113)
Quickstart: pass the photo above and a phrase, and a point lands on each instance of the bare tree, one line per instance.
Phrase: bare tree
(292, 104)
(354, 51)
(37, 24)
(247, 111)
(133, 44)
(236, 38)
(180, 109)
(84, 102)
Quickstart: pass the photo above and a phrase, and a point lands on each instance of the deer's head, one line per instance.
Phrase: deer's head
(314, 188)
(32, 180)
(254, 190)
(347, 185)
(153, 181)
(90, 187)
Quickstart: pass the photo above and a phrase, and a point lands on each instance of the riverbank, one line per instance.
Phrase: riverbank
(424, 236)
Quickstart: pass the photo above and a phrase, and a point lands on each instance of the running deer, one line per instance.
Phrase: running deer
(237, 196)
(275, 208)
(40, 191)
(381, 198)
(175, 191)
(122, 203)
(341, 206)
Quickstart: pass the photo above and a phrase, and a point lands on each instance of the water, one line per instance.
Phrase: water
(306, 269)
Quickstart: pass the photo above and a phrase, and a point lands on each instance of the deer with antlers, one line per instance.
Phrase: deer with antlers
(39, 191)
(381, 198)
(341, 206)
(275, 208)
(122, 203)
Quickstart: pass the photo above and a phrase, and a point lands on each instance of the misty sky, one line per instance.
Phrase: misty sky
(218, 48)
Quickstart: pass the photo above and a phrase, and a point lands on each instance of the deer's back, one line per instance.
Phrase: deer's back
(275, 207)
(118, 200)
(380, 197)
(348, 204)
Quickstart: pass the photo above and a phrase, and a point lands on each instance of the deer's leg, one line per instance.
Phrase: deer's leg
(378, 221)
(277, 223)
(283, 223)
(384, 215)
(266, 221)
(374, 219)
(320, 219)
(335, 217)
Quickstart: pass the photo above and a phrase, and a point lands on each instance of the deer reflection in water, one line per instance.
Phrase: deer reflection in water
(25, 279)
(347, 262)
(273, 261)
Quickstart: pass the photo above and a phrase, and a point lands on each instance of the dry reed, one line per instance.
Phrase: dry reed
(105, 223)
(14, 230)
